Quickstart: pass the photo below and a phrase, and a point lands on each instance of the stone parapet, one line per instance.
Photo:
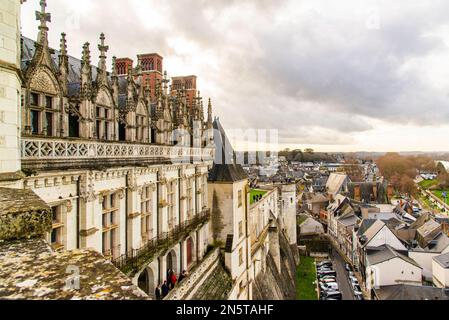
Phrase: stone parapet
(23, 215)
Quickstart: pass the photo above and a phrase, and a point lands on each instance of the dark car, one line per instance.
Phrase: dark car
(327, 273)
(348, 267)
(325, 263)
(331, 295)
(359, 297)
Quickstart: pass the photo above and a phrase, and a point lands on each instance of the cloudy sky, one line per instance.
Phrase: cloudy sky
(331, 75)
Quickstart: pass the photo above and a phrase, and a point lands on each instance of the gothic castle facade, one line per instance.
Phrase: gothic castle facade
(123, 163)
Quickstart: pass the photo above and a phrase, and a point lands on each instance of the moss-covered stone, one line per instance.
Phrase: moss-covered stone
(23, 215)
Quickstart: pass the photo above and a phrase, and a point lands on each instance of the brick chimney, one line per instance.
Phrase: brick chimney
(123, 65)
(357, 193)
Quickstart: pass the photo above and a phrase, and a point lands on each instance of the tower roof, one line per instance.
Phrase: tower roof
(225, 168)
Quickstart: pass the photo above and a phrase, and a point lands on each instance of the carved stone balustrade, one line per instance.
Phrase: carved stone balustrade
(54, 153)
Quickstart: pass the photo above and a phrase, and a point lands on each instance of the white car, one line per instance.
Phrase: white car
(357, 290)
(328, 280)
(355, 283)
(329, 286)
(328, 277)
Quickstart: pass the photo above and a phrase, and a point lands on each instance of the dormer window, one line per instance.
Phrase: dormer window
(42, 114)
(104, 123)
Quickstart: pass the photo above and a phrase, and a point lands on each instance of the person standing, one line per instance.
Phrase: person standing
(157, 292)
(182, 276)
(165, 289)
(173, 280)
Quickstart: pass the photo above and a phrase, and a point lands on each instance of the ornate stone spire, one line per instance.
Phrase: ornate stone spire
(141, 84)
(85, 59)
(43, 17)
(114, 79)
(165, 82)
(209, 114)
(201, 110)
(159, 106)
(130, 87)
(63, 62)
(102, 75)
(114, 67)
(63, 45)
(197, 106)
(86, 71)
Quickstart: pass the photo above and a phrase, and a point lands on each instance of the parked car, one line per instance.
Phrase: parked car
(328, 280)
(357, 290)
(328, 277)
(324, 263)
(354, 281)
(327, 273)
(359, 297)
(331, 295)
(329, 286)
(348, 267)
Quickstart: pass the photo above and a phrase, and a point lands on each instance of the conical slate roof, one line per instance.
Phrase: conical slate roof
(225, 168)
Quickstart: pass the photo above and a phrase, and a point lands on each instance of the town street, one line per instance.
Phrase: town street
(342, 275)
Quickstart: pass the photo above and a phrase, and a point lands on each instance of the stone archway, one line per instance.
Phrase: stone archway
(172, 261)
(142, 282)
(147, 281)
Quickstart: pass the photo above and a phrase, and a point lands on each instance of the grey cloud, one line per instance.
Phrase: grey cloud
(315, 69)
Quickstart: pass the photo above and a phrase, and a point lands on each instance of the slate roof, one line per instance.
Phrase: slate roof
(365, 225)
(410, 292)
(318, 197)
(443, 260)
(335, 182)
(385, 253)
(427, 232)
(422, 219)
(224, 169)
(349, 221)
(74, 76)
(371, 232)
(335, 205)
(437, 245)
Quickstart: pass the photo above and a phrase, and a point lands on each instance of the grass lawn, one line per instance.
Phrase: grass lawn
(255, 192)
(305, 278)
(439, 194)
(426, 203)
(426, 184)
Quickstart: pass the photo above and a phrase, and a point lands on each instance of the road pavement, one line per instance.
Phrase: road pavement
(342, 276)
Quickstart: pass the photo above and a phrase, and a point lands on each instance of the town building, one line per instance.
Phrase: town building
(440, 268)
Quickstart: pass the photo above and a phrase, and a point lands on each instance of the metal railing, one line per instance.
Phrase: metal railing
(134, 259)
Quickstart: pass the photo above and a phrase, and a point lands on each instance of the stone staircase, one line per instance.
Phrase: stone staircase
(217, 285)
